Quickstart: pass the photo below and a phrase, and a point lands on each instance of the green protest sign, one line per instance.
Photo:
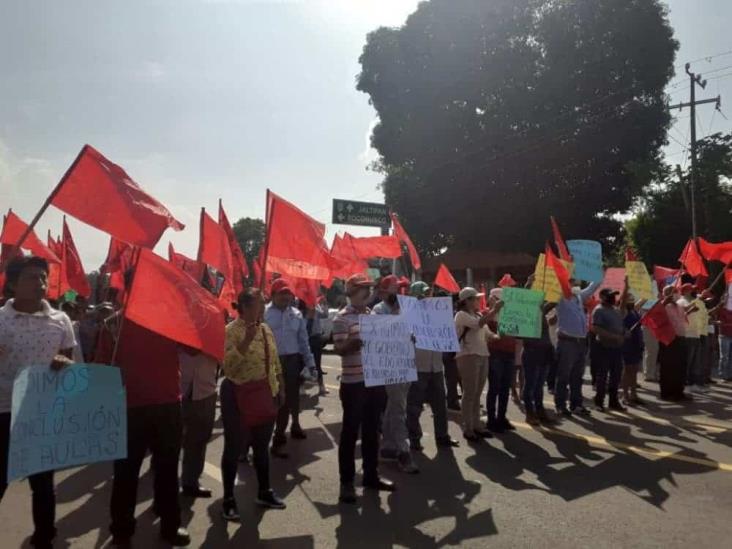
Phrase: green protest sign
(521, 312)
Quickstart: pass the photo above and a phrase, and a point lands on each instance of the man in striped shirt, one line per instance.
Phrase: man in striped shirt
(362, 405)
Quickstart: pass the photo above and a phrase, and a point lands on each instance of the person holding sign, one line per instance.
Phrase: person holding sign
(572, 349)
(429, 387)
(472, 359)
(395, 436)
(500, 372)
(362, 406)
(632, 349)
(31, 334)
(537, 358)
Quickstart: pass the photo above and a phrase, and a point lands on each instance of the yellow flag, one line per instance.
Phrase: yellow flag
(639, 281)
(545, 279)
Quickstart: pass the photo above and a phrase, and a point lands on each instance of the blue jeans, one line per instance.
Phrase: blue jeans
(500, 375)
(725, 357)
(571, 355)
(537, 360)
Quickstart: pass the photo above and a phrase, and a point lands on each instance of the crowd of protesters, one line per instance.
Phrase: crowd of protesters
(274, 345)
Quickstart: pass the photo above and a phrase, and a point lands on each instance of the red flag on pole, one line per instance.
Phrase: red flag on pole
(559, 241)
(239, 262)
(295, 245)
(344, 255)
(170, 303)
(721, 251)
(446, 281)
(692, 260)
(402, 235)
(664, 276)
(553, 262)
(101, 194)
(13, 230)
(376, 246)
(214, 250)
(657, 320)
(195, 269)
(73, 270)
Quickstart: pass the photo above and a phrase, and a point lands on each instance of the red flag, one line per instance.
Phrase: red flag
(170, 303)
(553, 262)
(13, 230)
(482, 301)
(257, 268)
(54, 244)
(295, 244)
(728, 276)
(403, 237)
(100, 193)
(306, 290)
(559, 241)
(119, 256)
(73, 270)
(692, 260)
(656, 319)
(721, 251)
(376, 246)
(631, 255)
(343, 253)
(195, 269)
(446, 281)
(214, 250)
(240, 268)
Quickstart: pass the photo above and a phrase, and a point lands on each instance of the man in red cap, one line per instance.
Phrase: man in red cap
(293, 348)
(395, 443)
(362, 406)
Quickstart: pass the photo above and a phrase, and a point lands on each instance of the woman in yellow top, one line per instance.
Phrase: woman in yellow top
(250, 354)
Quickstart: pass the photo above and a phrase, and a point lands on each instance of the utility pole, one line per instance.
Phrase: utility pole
(694, 80)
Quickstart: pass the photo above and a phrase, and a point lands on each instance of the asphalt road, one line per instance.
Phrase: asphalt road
(657, 476)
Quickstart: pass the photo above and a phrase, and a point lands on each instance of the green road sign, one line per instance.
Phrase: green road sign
(369, 214)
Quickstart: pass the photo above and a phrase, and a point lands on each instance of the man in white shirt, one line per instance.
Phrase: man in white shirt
(31, 334)
(692, 336)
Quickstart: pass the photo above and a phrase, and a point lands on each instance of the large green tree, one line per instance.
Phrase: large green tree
(662, 224)
(249, 233)
(494, 114)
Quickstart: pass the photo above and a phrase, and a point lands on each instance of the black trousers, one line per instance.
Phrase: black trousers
(608, 366)
(44, 494)
(291, 368)
(316, 347)
(157, 428)
(362, 407)
(452, 377)
(234, 436)
(501, 370)
(672, 372)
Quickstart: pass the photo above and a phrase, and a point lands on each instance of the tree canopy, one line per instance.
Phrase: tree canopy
(663, 222)
(250, 234)
(495, 114)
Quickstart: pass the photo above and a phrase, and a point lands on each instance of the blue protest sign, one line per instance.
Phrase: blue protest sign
(587, 259)
(61, 419)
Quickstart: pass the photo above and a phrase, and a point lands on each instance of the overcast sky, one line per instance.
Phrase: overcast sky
(224, 98)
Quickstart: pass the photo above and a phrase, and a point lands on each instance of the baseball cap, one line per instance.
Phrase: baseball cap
(358, 281)
(419, 289)
(496, 293)
(468, 293)
(280, 286)
(607, 292)
(388, 281)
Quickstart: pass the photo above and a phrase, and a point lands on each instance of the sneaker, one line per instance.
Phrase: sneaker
(447, 443)
(348, 494)
(406, 465)
(269, 500)
(564, 412)
(230, 511)
(380, 484)
(179, 538)
(387, 454)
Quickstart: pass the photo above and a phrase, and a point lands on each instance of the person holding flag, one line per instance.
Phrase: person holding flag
(609, 336)
(293, 346)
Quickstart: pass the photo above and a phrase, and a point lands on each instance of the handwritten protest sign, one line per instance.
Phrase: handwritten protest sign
(639, 281)
(521, 312)
(387, 354)
(614, 279)
(67, 418)
(545, 280)
(431, 321)
(587, 259)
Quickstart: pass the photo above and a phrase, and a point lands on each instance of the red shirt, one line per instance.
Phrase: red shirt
(504, 344)
(150, 369)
